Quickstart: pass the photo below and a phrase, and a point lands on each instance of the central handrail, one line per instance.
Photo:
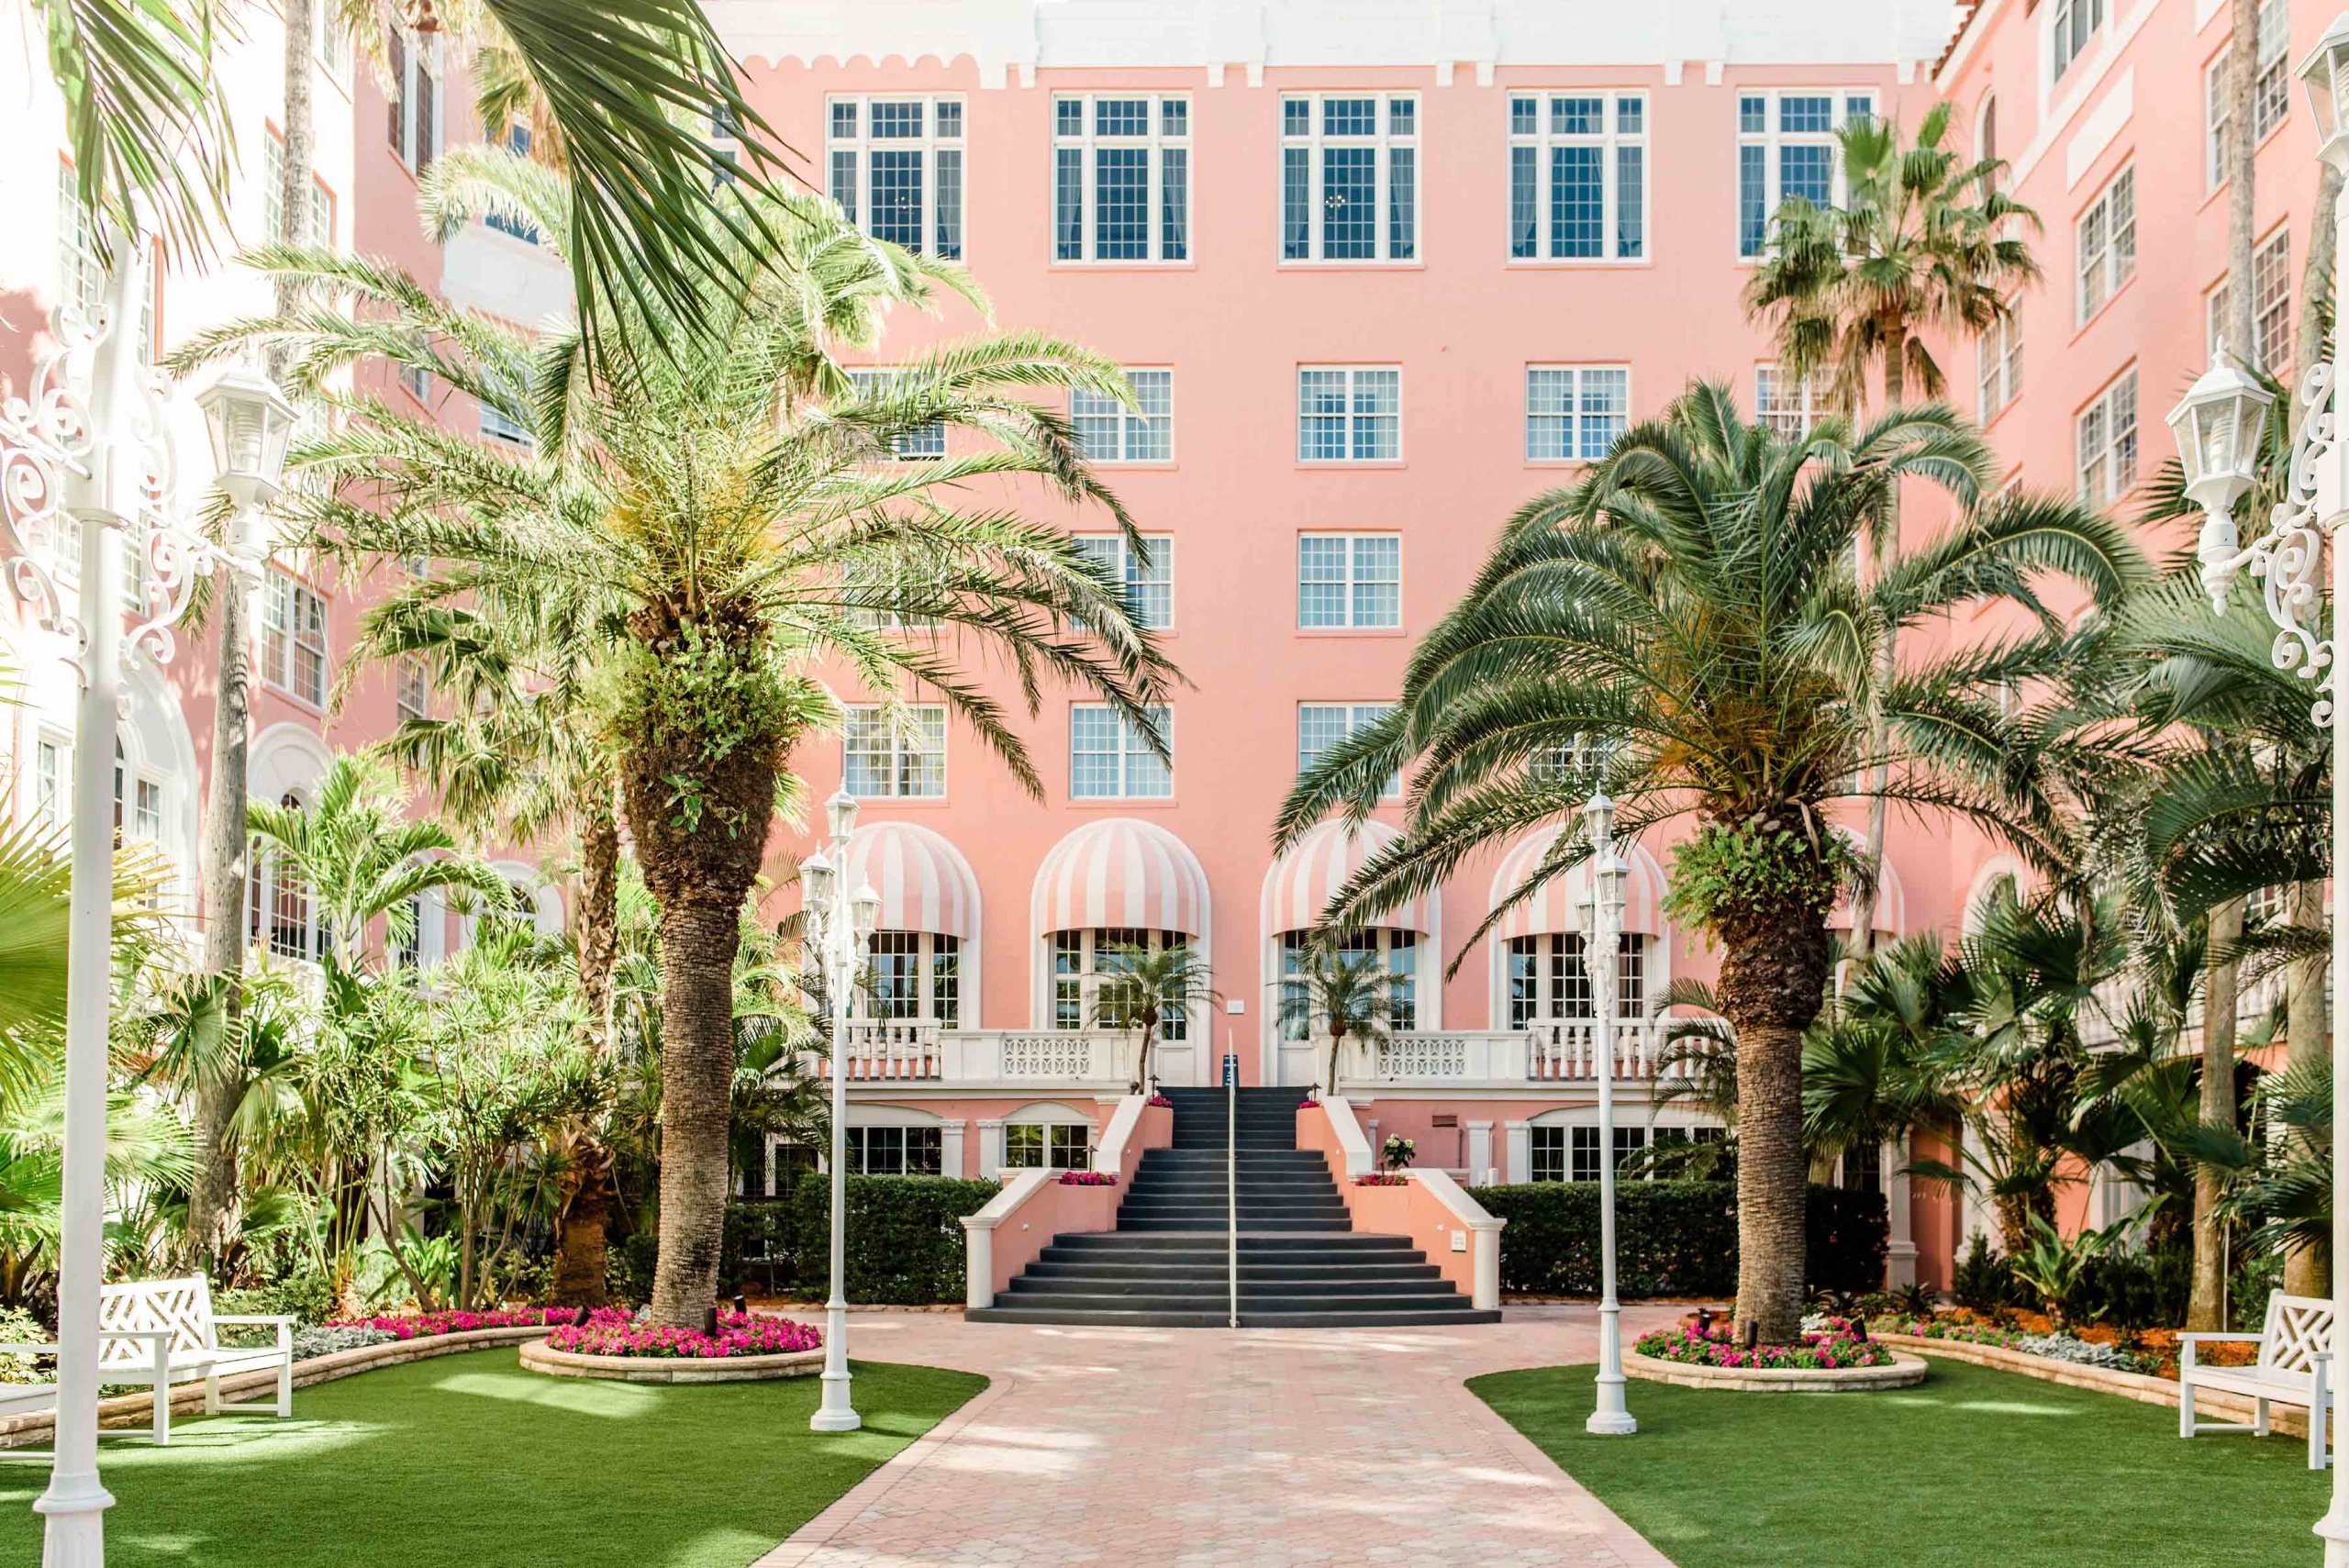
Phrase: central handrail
(1231, 1190)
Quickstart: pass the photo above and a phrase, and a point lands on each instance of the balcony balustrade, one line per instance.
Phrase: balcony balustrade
(918, 1051)
(1555, 1051)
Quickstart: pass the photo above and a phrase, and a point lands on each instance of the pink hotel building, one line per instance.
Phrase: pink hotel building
(1379, 272)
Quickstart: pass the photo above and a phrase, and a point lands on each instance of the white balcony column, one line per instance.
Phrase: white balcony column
(950, 1148)
(1520, 1152)
(990, 1146)
(1480, 1153)
(1900, 1248)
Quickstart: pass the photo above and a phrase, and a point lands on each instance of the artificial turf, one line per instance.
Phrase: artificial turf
(468, 1462)
(1973, 1467)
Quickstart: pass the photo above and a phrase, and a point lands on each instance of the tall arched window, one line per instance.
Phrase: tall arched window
(282, 911)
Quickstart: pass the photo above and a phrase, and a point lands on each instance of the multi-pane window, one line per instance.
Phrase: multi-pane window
(1400, 951)
(272, 201)
(2108, 242)
(1110, 757)
(1787, 406)
(1548, 978)
(81, 276)
(1122, 177)
(278, 903)
(1150, 580)
(1349, 414)
(897, 169)
(1577, 176)
(1349, 580)
(2271, 307)
(896, 1150)
(2271, 92)
(1787, 147)
(411, 688)
(52, 781)
(1080, 958)
(2107, 442)
(1321, 725)
(914, 974)
(413, 103)
(1580, 761)
(499, 426)
(922, 441)
(1998, 361)
(518, 142)
(1573, 413)
(417, 382)
(294, 639)
(1048, 1146)
(1109, 431)
(899, 752)
(1350, 177)
(2071, 24)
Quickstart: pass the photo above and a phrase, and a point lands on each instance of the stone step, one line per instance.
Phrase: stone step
(1032, 1284)
(1179, 1266)
(1250, 1317)
(1354, 1242)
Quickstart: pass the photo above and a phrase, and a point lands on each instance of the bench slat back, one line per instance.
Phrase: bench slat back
(2298, 1327)
(182, 1306)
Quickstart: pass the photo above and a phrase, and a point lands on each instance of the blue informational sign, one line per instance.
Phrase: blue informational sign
(1231, 1070)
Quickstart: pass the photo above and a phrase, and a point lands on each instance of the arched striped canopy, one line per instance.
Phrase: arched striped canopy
(1301, 882)
(924, 882)
(1563, 904)
(1120, 871)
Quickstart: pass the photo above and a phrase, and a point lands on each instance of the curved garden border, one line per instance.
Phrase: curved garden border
(1906, 1371)
(136, 1410)
(540, 1356)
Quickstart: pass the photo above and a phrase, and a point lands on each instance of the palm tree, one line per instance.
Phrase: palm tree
(1924, 243)
(1346, 991)
(739, 512)
(1141, 989)
(1691, 606)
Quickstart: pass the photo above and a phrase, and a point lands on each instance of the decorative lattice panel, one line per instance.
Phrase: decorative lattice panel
(180, 1307)
(2298, 1327)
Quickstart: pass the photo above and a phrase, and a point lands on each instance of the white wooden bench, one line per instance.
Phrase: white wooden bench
(23, 1398)
(181, 1308)
(2295, 1367)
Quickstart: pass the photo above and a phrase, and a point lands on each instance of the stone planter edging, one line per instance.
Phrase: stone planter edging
(187, 1398)
(2137, 1385)
(1906, 1371)
(538, 1356)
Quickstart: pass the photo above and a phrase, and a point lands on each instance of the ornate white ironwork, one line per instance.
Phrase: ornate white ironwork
(2289, 560)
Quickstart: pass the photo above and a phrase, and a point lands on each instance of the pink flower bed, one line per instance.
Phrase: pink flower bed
(1087, 1179)
(1842, 1344)
(426, 1325)
(1382, 1179)
(739, 1334)
(1162, 1101)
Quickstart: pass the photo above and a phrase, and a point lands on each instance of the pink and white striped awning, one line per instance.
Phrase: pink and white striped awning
(1891, 901)
(924, 882)
(1563, 903)
(1302, 881)
(1121, 872)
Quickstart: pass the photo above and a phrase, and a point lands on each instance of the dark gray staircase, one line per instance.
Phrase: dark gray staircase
(1167, 1263)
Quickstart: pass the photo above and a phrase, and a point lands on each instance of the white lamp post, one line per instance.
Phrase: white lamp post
(89, 449)
(840, 926)
(2218, 426)
(1610, 1418)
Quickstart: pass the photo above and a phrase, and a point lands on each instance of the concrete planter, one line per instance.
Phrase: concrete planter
(2134, 1385)
(538, 1356)
(1906, 1371)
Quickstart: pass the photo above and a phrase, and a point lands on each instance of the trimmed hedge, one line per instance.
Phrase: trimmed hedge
(904, 1239)
(1670, 1238)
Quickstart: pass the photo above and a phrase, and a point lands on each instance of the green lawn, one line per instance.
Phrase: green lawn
(1973, 1467)
(468, 1462)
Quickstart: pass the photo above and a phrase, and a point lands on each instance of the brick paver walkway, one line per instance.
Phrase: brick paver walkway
(1194, 1447)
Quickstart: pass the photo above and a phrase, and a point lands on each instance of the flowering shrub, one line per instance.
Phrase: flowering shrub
(1382, 1179)
(1397, 1152)
(1309, 1103)
(1838, 1344)
(1162, 1101)
(739, 1334)
(1087, 1179)
(2054, 1347)
(426, 1325)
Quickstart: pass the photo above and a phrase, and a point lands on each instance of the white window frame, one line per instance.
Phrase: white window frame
(496, 426)
(904, 749)
(285, 624)
(912, 446)
(1773, 141)
(1060, 1145)
(1553, 962)
(1072, 991)
(1577, 419)
(1353, 583)
(860, 1140)
(1131, 437)
(2100, 441)
(1393, 945)
(1352, 718)
(2271, 305)
(1149, 589)
(2104, 240)
(1613, 140)
(2072, 28)
(938, 958)
(1393, 152)
(273, 199)
(1086, 142)
(262, 890)
(1355, 423)
(1132, 754)
(2271, 99)
(418, 65)
(1997, 364)
(411, 688)
(940, 158)
(1791, 414)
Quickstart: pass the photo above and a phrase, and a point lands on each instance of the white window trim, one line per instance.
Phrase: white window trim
(1352, 418)
(1790, 423)
(1090, 973)
(908, 446)
(281, 674)
(2108, 448)
(1997, 354)
(900, 754)
(1609, 141)
(1575, 414)
(930, 144)
(1128, 744)
(2058, 64)
(421, 57)
(1090, 143)
(1129, 422)
(1770, 138)
(1161, 561)
(1351, 582)
(1385, 141)
(926, 965)
(2111, 265)
(1358, 716)
(2215, 307)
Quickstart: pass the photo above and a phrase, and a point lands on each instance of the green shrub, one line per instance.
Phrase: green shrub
(1670, 1238)
(2248, 1289)
(18, 1326)
(904, 1241)
(757, 1252)
(307, 1296)
(2137, 1290)
(627, 1267)
(1983, 1281)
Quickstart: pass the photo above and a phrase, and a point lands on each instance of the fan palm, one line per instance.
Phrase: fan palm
(736, 513)
(1346, 993)
(1691, 608)
(1141, 989)
(1924, 242)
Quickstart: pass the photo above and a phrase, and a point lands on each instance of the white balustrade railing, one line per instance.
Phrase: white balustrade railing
(1558, 1051)
(920, 1051)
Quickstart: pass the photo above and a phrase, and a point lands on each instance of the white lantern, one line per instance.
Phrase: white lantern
(865, 911)
(250, 423)
(840, 811)
(815, 884)
(2217, 426)
(2325, 71)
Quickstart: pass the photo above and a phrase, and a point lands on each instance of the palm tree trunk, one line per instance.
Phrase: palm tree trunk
(698, 946)
(1888, 545)
(2206, 1305)
(584, 1227)
(1337, 1042)
(1774, 974)
(2308, 1270)
(597, 936)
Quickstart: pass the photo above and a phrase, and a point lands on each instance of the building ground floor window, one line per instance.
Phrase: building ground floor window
(896, 1151)
(1565, 1152)
(1050, 1146)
